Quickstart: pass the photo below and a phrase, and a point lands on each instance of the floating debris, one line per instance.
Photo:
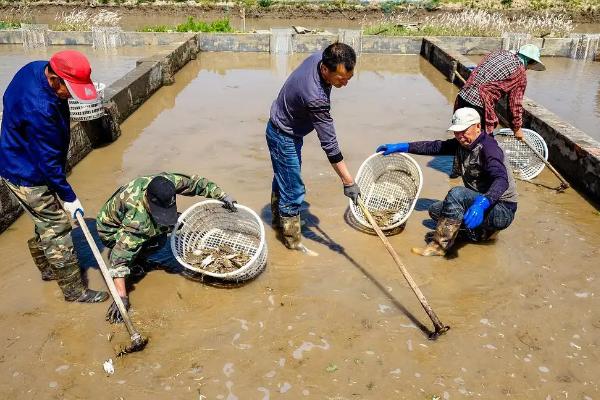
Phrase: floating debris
(331, 368)
(221, 260)
(109, 368)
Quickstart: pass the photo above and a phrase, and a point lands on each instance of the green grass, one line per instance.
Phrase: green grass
(192, 25)
(9, 25)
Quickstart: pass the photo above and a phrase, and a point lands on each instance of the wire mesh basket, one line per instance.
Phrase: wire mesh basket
(208, 226)
(389, 186)
(524, 162)
(88, 111)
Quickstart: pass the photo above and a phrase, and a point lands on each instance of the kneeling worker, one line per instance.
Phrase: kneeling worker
(488, 201)
(139, 215)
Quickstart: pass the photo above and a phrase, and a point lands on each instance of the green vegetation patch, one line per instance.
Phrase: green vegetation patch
(192, 25)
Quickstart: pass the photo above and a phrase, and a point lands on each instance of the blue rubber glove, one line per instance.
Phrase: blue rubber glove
(474, 215)
(392, 148)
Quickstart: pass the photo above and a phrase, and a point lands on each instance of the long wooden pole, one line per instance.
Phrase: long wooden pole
(136, 338)
(439, 327)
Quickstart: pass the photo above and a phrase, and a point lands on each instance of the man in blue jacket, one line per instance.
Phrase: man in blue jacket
(488, 201)
(34, 141)
(303, 105)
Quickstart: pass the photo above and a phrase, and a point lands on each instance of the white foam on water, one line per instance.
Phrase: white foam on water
(396, 371)
(383, 308)
(285, 387)
(305, 392)
(62, 368)
(230, 396)
(543, 369)
(266, 393)
(270, 374)
(240, 346)
(308, 346)
(243, 323)
(228, 369)
(582, 295)
(485, 321)
(411, 325)
(272, 299)
(490, 347)
(409, 345)
(282, 362)
(53, 384)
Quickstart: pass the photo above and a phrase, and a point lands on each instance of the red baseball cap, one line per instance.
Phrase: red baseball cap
(74, 68)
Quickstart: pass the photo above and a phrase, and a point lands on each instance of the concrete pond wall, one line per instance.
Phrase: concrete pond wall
(573, 152)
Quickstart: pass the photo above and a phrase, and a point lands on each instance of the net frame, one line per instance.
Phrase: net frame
(398, 168)
(206, 225)
(524, 162)
(88, 111)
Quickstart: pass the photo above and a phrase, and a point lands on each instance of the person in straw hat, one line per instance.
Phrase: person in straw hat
(500, 73)
(487, 202)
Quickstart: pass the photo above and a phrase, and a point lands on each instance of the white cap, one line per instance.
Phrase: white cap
(463, 118)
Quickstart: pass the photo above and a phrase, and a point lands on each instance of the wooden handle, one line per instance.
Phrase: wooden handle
(564, 183)
(107, 278)
(439, 327)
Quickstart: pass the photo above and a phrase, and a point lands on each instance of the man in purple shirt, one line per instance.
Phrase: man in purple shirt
(303, 105)
(488, 201)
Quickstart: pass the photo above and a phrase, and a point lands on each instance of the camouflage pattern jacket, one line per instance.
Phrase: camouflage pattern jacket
(125, 225)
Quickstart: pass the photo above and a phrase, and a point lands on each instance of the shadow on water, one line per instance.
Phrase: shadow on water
(312, 231)
(161, 259)
(441, 163)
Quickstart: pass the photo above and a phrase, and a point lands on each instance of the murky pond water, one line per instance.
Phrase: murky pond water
(524, 309)
(107, 65)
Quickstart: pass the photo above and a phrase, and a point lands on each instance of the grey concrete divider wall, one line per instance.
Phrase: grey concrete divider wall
(574, 153)
(300, 43)
(122, 98)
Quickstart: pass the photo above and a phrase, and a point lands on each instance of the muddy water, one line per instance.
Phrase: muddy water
(107, 65)
(523, 309)
(569, 88)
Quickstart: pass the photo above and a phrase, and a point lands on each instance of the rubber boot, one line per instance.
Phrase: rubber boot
(69, 279)
(442, 238)
(40, 260)
(275, 217)
(292, 237)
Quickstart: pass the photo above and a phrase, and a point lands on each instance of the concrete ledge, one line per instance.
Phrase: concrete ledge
(574, 153)
(391, 45)
(311, 43)
(123, 97)
(242, 42)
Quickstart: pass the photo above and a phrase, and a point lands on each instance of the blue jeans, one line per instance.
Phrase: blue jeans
(286, 158)
(457, 202)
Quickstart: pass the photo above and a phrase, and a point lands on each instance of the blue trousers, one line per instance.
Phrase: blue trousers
(457, 202)
(286, 158)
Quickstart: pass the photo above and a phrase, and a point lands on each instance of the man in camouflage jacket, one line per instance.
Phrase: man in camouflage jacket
(138, 216)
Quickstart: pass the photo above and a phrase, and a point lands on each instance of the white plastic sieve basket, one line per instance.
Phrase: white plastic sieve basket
(207, 225)
(524, 163)
(391, 182)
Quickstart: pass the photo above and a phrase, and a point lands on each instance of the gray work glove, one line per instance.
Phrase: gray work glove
(229, 203)
(352, 192)
(113, 315)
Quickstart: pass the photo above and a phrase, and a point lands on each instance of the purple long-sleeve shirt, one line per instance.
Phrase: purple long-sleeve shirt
(484, 167)
(303, 104)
